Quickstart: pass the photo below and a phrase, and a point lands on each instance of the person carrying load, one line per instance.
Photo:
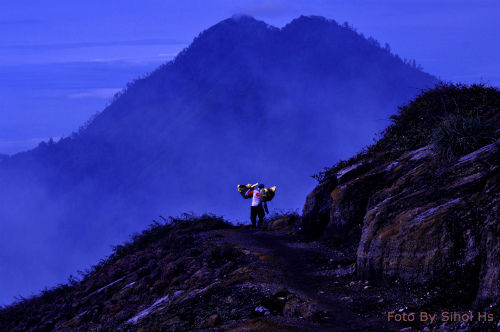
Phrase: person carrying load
(260, 196)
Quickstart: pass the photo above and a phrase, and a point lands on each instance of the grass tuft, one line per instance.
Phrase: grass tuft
(459, 135)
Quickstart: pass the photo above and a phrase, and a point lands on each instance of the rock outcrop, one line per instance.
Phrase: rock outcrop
(417, 220)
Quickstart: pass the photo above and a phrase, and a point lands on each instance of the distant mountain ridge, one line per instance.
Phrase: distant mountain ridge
(245, 102)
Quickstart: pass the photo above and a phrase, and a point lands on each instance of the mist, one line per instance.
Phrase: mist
(244, 103)
(54, 88)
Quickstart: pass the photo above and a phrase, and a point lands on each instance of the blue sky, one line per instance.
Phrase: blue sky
(62, 61)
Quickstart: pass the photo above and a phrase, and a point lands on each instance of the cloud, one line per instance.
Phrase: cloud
(168, 55)
(104, 93)
(62, 46)
(159, 58)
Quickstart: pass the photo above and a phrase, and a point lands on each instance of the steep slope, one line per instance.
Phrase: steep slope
(245, 102)
(414, 214)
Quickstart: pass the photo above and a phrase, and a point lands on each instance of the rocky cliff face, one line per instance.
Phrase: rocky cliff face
(416, 219)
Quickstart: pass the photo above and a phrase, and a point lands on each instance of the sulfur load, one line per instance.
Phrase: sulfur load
(267, 194)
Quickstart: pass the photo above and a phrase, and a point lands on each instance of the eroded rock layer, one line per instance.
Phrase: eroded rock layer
(418, 220)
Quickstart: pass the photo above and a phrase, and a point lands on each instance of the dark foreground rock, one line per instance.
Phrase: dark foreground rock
(418, 221)
(419, 208)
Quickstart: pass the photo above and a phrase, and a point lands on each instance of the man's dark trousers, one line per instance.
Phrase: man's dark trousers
(257, 211)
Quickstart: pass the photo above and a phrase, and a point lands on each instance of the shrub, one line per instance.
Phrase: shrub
(186, 223)
(458, 135)
(280, 213)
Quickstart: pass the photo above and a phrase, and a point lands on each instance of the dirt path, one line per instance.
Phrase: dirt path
(313, 272)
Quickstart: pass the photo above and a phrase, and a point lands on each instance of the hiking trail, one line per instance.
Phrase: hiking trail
(319, 274)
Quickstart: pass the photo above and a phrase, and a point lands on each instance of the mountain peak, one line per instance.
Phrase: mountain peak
(238, 21)
(242, 18)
